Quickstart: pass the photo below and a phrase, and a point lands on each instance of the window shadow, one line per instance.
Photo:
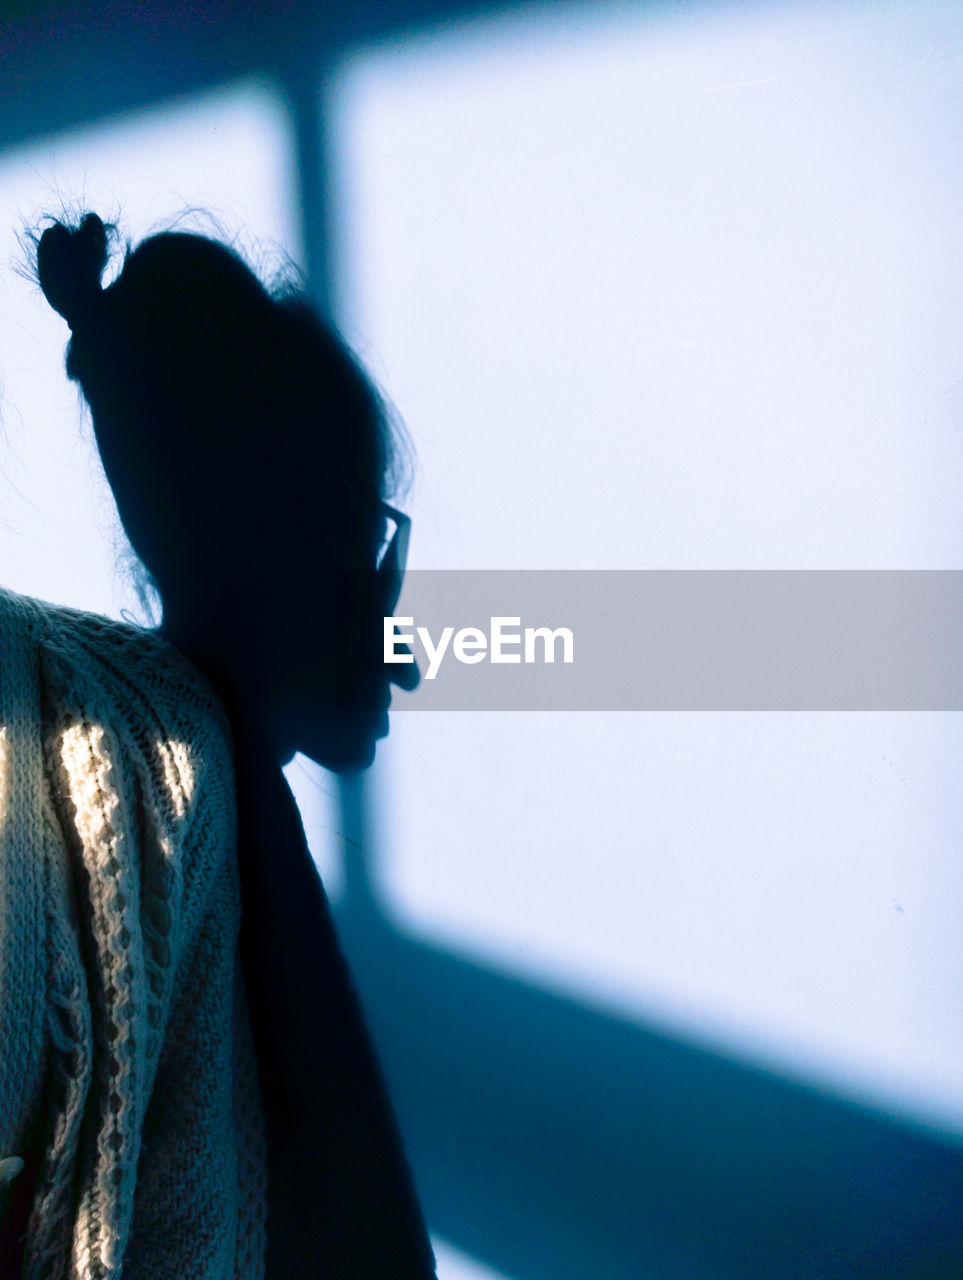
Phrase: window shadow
(554, 1142)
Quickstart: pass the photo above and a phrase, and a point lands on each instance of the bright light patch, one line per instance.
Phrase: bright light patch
(59, 535)
(680, 287)
(93, 796)
(178, 774)
(317, 796)
(455, 1265)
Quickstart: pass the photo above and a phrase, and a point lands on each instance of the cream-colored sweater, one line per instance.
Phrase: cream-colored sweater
(123, 1019)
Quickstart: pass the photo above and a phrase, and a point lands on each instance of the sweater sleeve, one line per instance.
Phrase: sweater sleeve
(22, 879)
(165, 1167)
(200, 1193)
(23, 940)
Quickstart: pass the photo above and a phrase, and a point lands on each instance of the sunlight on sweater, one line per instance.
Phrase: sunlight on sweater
(90, 777)
(90, 1261)
(90, 773)
(179, 775)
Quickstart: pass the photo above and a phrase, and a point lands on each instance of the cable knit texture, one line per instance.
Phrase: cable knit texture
(124, 1028)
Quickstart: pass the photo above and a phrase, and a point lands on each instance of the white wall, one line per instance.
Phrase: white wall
(680, 288)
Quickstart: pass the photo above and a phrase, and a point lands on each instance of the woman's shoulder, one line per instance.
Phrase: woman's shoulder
(135, 662)
(117, 705)
(128, 689)
(18, 610)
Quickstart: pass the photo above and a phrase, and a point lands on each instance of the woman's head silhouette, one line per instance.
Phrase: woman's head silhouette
(249, 457)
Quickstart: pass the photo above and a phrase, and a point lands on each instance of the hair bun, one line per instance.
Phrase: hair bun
(69, 266)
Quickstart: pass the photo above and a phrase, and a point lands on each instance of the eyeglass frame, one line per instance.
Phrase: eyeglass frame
(396, 547)
(395, 557)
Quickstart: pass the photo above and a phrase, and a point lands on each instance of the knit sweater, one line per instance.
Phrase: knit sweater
(126, 1060)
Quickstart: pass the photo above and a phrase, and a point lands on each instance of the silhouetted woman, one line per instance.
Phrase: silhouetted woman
(248, 456)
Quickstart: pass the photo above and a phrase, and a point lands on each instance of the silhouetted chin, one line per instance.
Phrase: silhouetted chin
(349, 742)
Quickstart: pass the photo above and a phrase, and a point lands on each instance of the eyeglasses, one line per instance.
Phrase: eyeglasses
(392, 556)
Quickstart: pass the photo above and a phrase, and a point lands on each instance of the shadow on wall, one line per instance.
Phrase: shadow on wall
(553, 1142)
